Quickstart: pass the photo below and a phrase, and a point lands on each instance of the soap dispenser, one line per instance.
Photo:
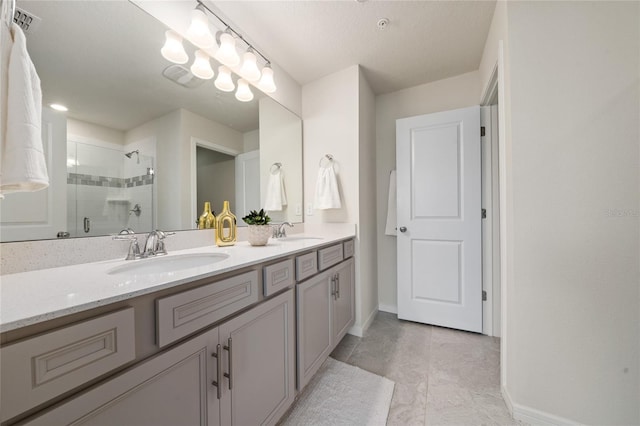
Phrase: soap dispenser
(226, 221)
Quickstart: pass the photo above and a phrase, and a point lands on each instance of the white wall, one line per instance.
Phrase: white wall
(166, 132)
(367, 249)
(214, 168)
(251, 140)
(281, 137)
(451, 93)
(337, 116)
(573, 304)
(95, 132)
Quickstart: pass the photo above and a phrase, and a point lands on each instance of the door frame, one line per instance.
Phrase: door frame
(495, 89)
(195, 143)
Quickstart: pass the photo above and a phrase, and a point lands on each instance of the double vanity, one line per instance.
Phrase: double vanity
(204, 336)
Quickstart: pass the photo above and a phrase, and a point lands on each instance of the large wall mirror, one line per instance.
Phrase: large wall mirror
(144, 143)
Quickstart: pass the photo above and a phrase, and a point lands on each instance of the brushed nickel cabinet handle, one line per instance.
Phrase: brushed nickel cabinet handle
(229, 376)
(337, 286)
(217, 383)
(333, 287)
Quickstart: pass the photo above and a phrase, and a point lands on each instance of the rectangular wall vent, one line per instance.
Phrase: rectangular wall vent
(27, 21)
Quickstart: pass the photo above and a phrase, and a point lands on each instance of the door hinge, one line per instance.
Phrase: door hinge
(484, 213)
(484, 296)
(482, 131)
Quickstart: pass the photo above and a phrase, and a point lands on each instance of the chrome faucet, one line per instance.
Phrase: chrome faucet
(279, 231)
(154, 245)
(134, 248)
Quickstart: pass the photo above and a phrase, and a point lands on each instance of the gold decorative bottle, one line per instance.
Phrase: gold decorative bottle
(207, 220)
(226, 221)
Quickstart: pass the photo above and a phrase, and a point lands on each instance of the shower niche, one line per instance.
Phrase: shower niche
(109, 188)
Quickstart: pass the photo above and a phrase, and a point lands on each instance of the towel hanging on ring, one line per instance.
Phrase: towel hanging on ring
(327, 194)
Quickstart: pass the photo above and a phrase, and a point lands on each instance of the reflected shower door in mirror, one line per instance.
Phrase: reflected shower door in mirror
(133, 101)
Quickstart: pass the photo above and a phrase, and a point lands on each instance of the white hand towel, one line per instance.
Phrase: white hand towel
(276, 195)
(327, 193)
(392, 221)
(23, 162)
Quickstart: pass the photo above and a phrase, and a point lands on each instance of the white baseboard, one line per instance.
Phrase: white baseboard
(359, 331)
(531, 415)
(392, 309)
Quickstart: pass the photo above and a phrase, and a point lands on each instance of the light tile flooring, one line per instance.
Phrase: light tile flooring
(442, 376)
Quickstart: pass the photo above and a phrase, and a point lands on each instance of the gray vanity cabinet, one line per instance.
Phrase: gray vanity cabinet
(315, 329)
(326, 311)
(344, 299)
(260, 363)
(176, 387)
(173, 388)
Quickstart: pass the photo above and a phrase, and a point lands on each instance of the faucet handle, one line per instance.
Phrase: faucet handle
(134, 250)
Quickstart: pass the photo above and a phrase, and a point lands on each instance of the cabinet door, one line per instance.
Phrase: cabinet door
(174, 388)
(314, 326)
(260, 363)
(344, 301)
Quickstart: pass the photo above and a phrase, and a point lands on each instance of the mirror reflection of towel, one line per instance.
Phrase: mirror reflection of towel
(23, 163)
(327, 193)
(276, 195)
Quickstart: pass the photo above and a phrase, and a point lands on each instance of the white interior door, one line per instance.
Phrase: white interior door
(439, 218)
(42, 214)
(247, 183)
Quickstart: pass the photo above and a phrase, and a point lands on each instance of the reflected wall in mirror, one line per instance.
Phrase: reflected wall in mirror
(126, 154)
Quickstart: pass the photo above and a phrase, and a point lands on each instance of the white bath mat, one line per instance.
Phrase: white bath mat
(341, 394)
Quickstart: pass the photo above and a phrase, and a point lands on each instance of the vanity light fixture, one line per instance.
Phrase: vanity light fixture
(173, 50)
(244, 93)
(199, 32)
(201, 66)
(227, 54)
(266, 81)
(224, 81)
(249, 68)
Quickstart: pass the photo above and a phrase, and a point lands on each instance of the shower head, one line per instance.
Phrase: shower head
(129, 154)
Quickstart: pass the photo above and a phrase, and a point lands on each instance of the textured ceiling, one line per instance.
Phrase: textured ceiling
(424, 41)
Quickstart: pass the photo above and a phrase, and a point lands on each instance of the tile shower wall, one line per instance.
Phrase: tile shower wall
(103, 186)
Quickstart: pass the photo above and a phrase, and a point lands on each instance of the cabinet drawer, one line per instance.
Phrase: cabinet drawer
(348, 249)
(40, 368)
(181, 314)
(329, 256)
(278, 277)
(306, 266)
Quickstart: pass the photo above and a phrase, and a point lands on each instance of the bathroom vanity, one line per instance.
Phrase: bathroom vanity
(229, 343)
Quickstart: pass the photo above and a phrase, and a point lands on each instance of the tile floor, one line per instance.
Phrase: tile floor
(442, 376)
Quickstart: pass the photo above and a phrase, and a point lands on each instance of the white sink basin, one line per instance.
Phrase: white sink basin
(163, 264)
(294, 238)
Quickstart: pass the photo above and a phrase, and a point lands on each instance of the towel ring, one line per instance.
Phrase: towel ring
(277, 166)
(329, 159)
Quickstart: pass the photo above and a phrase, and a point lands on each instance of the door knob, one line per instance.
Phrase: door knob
(403, 229)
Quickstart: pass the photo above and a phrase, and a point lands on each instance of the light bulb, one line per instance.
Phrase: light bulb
(244, 93)
(173, 50)
(199, 32)
(249, 68)
(224, 81)
(227, 53)
(201, 66)
(266, 82)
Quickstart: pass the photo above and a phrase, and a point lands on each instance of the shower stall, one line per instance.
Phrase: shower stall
(109, 188)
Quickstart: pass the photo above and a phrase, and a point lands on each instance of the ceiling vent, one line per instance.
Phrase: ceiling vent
(182, 76)
(27, 21)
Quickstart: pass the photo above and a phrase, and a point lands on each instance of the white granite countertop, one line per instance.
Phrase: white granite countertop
(28, 298)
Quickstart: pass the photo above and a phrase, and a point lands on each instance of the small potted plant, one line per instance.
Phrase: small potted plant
(259, 229)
